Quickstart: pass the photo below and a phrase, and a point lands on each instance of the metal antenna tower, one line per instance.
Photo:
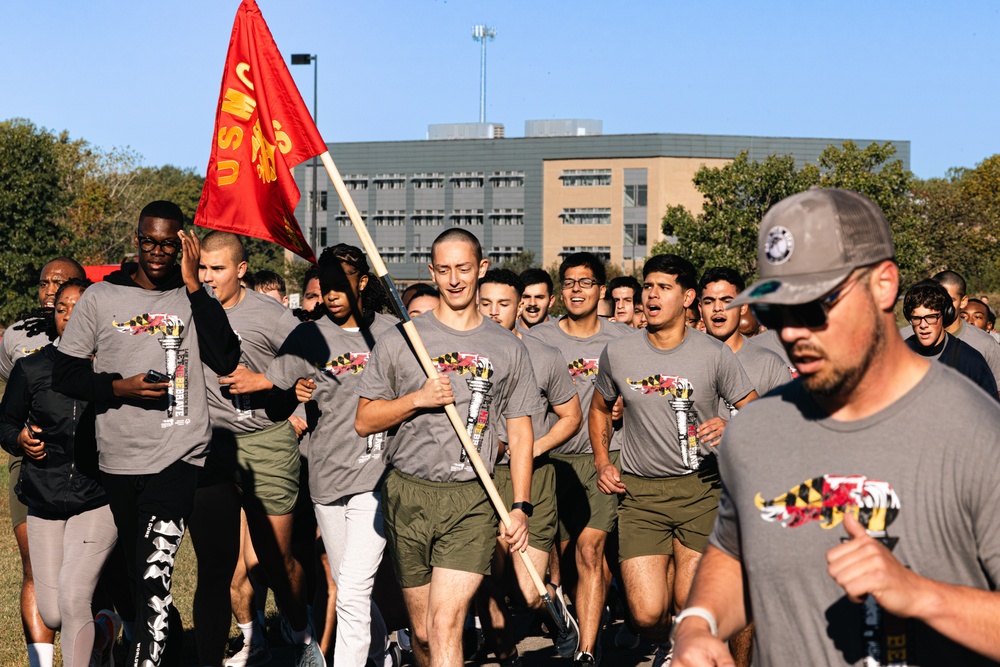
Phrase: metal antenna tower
(482, 33)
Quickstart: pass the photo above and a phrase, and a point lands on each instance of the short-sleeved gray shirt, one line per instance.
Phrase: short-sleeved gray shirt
(491, 378)
(262, 325)
(16, 344)
(924, 474)
(341, 463)
(130, 330)
(582, 357)
(555, 387)
(667, 394)
(765, 369)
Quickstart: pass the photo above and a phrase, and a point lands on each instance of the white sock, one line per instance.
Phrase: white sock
(40, 655)
(247, 630)
(303, 636)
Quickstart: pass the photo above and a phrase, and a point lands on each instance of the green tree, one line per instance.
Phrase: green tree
(30, 201)
(736, 197)
(524, 260)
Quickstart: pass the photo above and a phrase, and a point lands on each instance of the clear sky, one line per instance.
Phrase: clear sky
(146, 74)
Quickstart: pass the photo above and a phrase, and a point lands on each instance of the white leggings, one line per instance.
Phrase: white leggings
(67, 557)
(354, 538)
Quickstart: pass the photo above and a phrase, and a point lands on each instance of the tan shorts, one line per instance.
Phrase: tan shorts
(544, 523)
(581, 503)
(449, 525)
(656, 510)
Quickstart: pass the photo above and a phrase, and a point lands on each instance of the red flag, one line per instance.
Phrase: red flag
(262, 130)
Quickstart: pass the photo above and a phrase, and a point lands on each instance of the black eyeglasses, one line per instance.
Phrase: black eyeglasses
(585, 283)
(810, 315)
(931, 319)
(168, 246)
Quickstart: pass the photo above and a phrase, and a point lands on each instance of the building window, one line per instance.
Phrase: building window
(507, 216)
(467, 217)
(389, 181)
(635, 195)
(322, 200)
(427, 217)
(356, 182)
(344, 220)
(575, 178)
(392, 254)
(603, 252)
(390, 218)
(586, 216)
(635, 234)
(507, 179)
(427, 181)
(421, 255)
(504, 253)
(322, 236)
(467, 179)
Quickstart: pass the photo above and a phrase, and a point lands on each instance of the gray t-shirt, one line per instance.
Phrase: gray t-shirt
(555, 387)
(262, 324)
(765, 369)
(491, 378)
(129, 331)
(981, 341)
(667, 394)
(341, 463)
(924, 474)
(16, 344)
(582, 357)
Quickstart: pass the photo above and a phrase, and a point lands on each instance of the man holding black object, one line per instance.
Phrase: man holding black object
(859, 502)
(152, 436)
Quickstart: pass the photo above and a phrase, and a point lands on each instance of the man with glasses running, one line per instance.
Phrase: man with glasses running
(585, 514)
(928, 309)
(858, 509)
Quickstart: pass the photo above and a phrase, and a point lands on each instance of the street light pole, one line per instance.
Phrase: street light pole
(305, 59)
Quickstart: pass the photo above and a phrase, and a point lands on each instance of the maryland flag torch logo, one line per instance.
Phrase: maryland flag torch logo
(826, 499)
(349, 362)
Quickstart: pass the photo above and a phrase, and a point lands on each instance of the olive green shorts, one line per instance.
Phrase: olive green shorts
(18, 510)
(581, 503)
(544, 522)
(656, 510)
(449, 525)
(267, 468)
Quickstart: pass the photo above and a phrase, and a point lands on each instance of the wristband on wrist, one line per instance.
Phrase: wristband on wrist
(701, 613)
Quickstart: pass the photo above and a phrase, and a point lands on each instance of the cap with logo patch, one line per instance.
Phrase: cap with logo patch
(810, 242)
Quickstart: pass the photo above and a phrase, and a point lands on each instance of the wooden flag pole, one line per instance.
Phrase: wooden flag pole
(431, 371)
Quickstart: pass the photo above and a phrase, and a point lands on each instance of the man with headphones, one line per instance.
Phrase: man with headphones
(929, 310)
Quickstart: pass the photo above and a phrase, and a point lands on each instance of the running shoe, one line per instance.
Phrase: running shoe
(251, 654)
(585, 659)
(107, 625)
(309, 655)
(664, 655)
(567, 641)
(403, 639)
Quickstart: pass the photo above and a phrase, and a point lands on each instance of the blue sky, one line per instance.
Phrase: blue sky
(146, 75)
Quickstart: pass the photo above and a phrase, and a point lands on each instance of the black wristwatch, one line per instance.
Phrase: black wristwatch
(527, 508)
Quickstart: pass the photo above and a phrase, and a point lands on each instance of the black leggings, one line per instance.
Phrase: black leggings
(151, 512)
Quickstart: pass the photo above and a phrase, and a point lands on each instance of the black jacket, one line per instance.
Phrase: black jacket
(218, 344)
(65, 482)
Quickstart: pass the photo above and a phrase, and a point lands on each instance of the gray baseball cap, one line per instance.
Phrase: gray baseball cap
(810, 242)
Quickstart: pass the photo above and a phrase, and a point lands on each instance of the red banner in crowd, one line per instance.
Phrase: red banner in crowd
(262, 130)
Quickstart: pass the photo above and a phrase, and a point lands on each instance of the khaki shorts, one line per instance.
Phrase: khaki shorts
(436, 524)
(656, 510)
(18, 510)
(581, 503)
(544, 522)
(267, 468)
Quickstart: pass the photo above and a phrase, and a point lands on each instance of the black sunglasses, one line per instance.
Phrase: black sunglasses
(811, 315)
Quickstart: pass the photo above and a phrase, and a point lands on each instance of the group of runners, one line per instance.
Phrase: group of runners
(643, 443)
